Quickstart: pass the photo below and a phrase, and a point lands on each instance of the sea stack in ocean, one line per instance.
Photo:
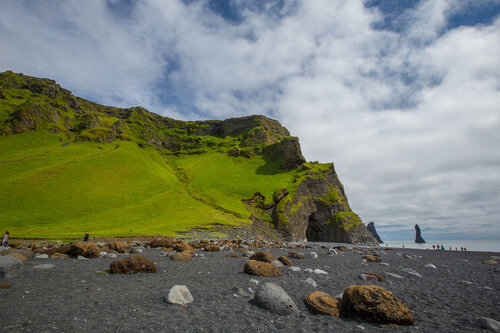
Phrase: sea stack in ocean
(418, 235)
(373, 231)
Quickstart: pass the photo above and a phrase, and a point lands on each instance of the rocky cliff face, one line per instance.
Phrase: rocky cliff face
(418, 235)
(316, 209)
(373, 231)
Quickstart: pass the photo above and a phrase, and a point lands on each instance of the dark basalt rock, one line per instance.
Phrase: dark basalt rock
(373, 231)
(418, 235)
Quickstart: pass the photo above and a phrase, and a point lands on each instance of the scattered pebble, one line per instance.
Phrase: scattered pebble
(430, 266)
(44, 266)
(311, 282)
(320, 271)
(411, 272)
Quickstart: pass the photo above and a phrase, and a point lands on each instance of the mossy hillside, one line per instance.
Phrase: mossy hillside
(51, 190)
(223, 181)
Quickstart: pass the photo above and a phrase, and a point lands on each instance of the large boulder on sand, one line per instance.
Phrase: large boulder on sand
(88, 250)
(10, 267)
(263, 256)
(375, 304)
(132, 265)
(321, 303)
(261, 268)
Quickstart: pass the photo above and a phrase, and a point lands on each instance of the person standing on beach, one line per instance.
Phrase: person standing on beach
(433, 246)
(86, 238)
(5, 239)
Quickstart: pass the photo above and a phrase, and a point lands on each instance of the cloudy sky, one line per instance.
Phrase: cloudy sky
(404, 96)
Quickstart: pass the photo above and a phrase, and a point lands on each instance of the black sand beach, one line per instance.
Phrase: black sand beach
(76, 295)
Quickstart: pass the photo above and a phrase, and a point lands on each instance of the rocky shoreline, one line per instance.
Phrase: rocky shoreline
(445, 291)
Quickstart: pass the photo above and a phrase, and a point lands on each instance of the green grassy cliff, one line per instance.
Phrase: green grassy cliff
(68, 165)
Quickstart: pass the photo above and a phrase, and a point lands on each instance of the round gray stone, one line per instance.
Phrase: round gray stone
(10, 267)
(273, 298)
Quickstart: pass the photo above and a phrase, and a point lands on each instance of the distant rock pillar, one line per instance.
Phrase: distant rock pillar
(418, 236)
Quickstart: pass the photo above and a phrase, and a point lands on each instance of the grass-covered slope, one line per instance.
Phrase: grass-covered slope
(68, 165)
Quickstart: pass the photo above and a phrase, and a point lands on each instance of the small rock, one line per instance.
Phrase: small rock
(466, 282)
(241, 293)
(132, 265)
(285, 261)
(181, 247)
(320, 271)
(314, 255)
(18, 256)
(489, 324)
(179, 294)
(294, 268)
(395, 276)
(212, 248)
(308, 270)
(263, 256)
(384, 263)
(253, 281)
(373, 303)
(321, 303)
(274, 299)
(367, 277)
(44, 266)
(103, 253)
(42, 256)
(379, 277)
(296, 255)
(247, 254)
(80, 257)
(5, 285)
(430, 266)
(311, 282)
(411, 272)
(111, 255)
(371, 258)
(277, 263)
(86, 249)
(184, 256)
(490, 261)
(10, 267)
(261, 268)
(333, 252)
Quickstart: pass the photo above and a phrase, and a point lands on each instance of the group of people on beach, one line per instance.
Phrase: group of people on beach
(441, 247)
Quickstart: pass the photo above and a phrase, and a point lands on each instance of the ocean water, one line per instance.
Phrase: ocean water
(471, 245)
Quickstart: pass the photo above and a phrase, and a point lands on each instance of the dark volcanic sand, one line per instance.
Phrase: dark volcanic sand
(73, 297)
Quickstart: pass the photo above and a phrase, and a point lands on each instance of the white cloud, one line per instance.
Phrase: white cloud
(410, 117)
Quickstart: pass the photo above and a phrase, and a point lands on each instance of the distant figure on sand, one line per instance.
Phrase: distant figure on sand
(5, 239)
(86, 238)
(433, 246)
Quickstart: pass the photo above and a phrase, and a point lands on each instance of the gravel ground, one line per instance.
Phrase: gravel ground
(73, 296)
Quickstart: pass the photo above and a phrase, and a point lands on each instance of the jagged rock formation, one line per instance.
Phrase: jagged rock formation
(373, 231)
(315, 210)
(311, 203)
(418, 235)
